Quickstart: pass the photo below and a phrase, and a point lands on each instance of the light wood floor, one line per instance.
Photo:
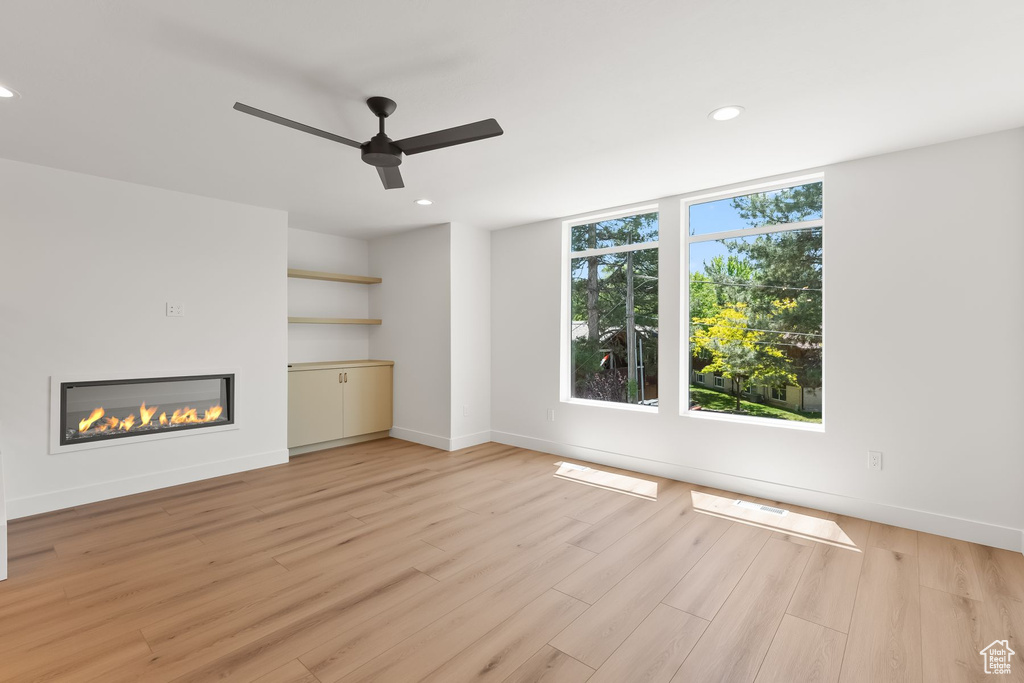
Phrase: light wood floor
(390, 562)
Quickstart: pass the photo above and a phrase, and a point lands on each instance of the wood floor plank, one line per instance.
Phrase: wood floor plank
(239, 656)
(705, 587)
(93, 664)
(443, 639)
(78, 627)
(292, 672)
(509, 645)
(884, 643)
(1003, 619)
(893, 538)
(337, 547)
(951, 637)
(655, 650)
(460, 557)
(946, 564)
(349, 649)
(802, 651)
(734, 645)
(595, 505)
(599, 575)
(594, 636)
(241, 619)
(604, 533)
(1001, 572)
(13, 614)
(828, 588)
(551, 665)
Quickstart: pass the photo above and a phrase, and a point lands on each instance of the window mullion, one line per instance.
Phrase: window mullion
(760, 230)
(613, 250)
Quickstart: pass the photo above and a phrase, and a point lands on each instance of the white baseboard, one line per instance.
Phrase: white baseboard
(444, 443)
(432, 440)
(324, 445)
(920, 520)
(457, 443)
(58, 500)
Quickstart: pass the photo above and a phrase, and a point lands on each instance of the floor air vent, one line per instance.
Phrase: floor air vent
(763, 508)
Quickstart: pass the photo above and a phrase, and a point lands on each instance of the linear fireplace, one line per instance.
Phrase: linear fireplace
(92, 411)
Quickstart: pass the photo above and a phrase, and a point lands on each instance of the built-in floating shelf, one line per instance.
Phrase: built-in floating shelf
(336, 321)
(333, 277)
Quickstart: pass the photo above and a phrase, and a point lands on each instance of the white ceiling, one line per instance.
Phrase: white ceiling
(603, 102)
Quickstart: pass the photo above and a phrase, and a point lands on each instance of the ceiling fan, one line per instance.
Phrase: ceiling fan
(380, 150)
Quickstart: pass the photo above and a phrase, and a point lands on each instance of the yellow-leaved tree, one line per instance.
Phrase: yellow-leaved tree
(741, 351)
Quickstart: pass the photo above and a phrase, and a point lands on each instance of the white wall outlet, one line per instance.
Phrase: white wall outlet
(551, 415)
(875, 460)
(465, 411)
(175, 310)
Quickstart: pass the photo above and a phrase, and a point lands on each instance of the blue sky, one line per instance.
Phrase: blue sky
(717, 216)
(707, 218)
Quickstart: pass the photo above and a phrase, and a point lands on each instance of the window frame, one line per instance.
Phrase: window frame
(565, 326)
(719, 382)
(685, 360)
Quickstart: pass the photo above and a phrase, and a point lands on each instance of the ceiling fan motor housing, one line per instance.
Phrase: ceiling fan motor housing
(381, 152)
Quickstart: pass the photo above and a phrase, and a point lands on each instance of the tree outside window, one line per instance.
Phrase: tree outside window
(614, 309)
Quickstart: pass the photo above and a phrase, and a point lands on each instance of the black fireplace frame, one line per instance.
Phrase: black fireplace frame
(64, 386)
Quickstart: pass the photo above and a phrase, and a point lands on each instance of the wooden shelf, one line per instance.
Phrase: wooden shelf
(333, 364)
(332, 277)
(336, 321)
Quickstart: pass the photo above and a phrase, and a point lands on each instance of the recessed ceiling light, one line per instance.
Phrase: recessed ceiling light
(726, 113)
(424, 202)
(7, 92)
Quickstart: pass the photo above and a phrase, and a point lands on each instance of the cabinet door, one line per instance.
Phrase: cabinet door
(316, 406)
(368, 400)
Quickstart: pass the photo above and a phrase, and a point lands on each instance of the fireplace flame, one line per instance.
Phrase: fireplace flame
(146, 414)
(85, 424)
(180, 416)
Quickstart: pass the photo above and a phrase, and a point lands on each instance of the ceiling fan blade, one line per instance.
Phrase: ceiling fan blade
(391, 177)
(471, 132)
(274, 118)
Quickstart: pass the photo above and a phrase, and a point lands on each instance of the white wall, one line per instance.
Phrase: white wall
(321, 299)
(3, 521)
(414, 303)
(86, 267)
(922, 281)
(470, 336)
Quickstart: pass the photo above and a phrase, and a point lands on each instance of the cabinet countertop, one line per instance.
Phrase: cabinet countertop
(330, 364)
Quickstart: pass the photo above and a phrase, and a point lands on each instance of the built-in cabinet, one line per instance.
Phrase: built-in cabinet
(338, 401)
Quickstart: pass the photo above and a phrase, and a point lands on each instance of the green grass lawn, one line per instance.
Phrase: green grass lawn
(721, 402)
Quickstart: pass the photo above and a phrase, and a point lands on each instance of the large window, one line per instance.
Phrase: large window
(755, 301)
(613, 335)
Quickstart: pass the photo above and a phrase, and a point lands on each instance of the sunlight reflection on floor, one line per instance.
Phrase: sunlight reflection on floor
(620, 483)
(793, 523)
